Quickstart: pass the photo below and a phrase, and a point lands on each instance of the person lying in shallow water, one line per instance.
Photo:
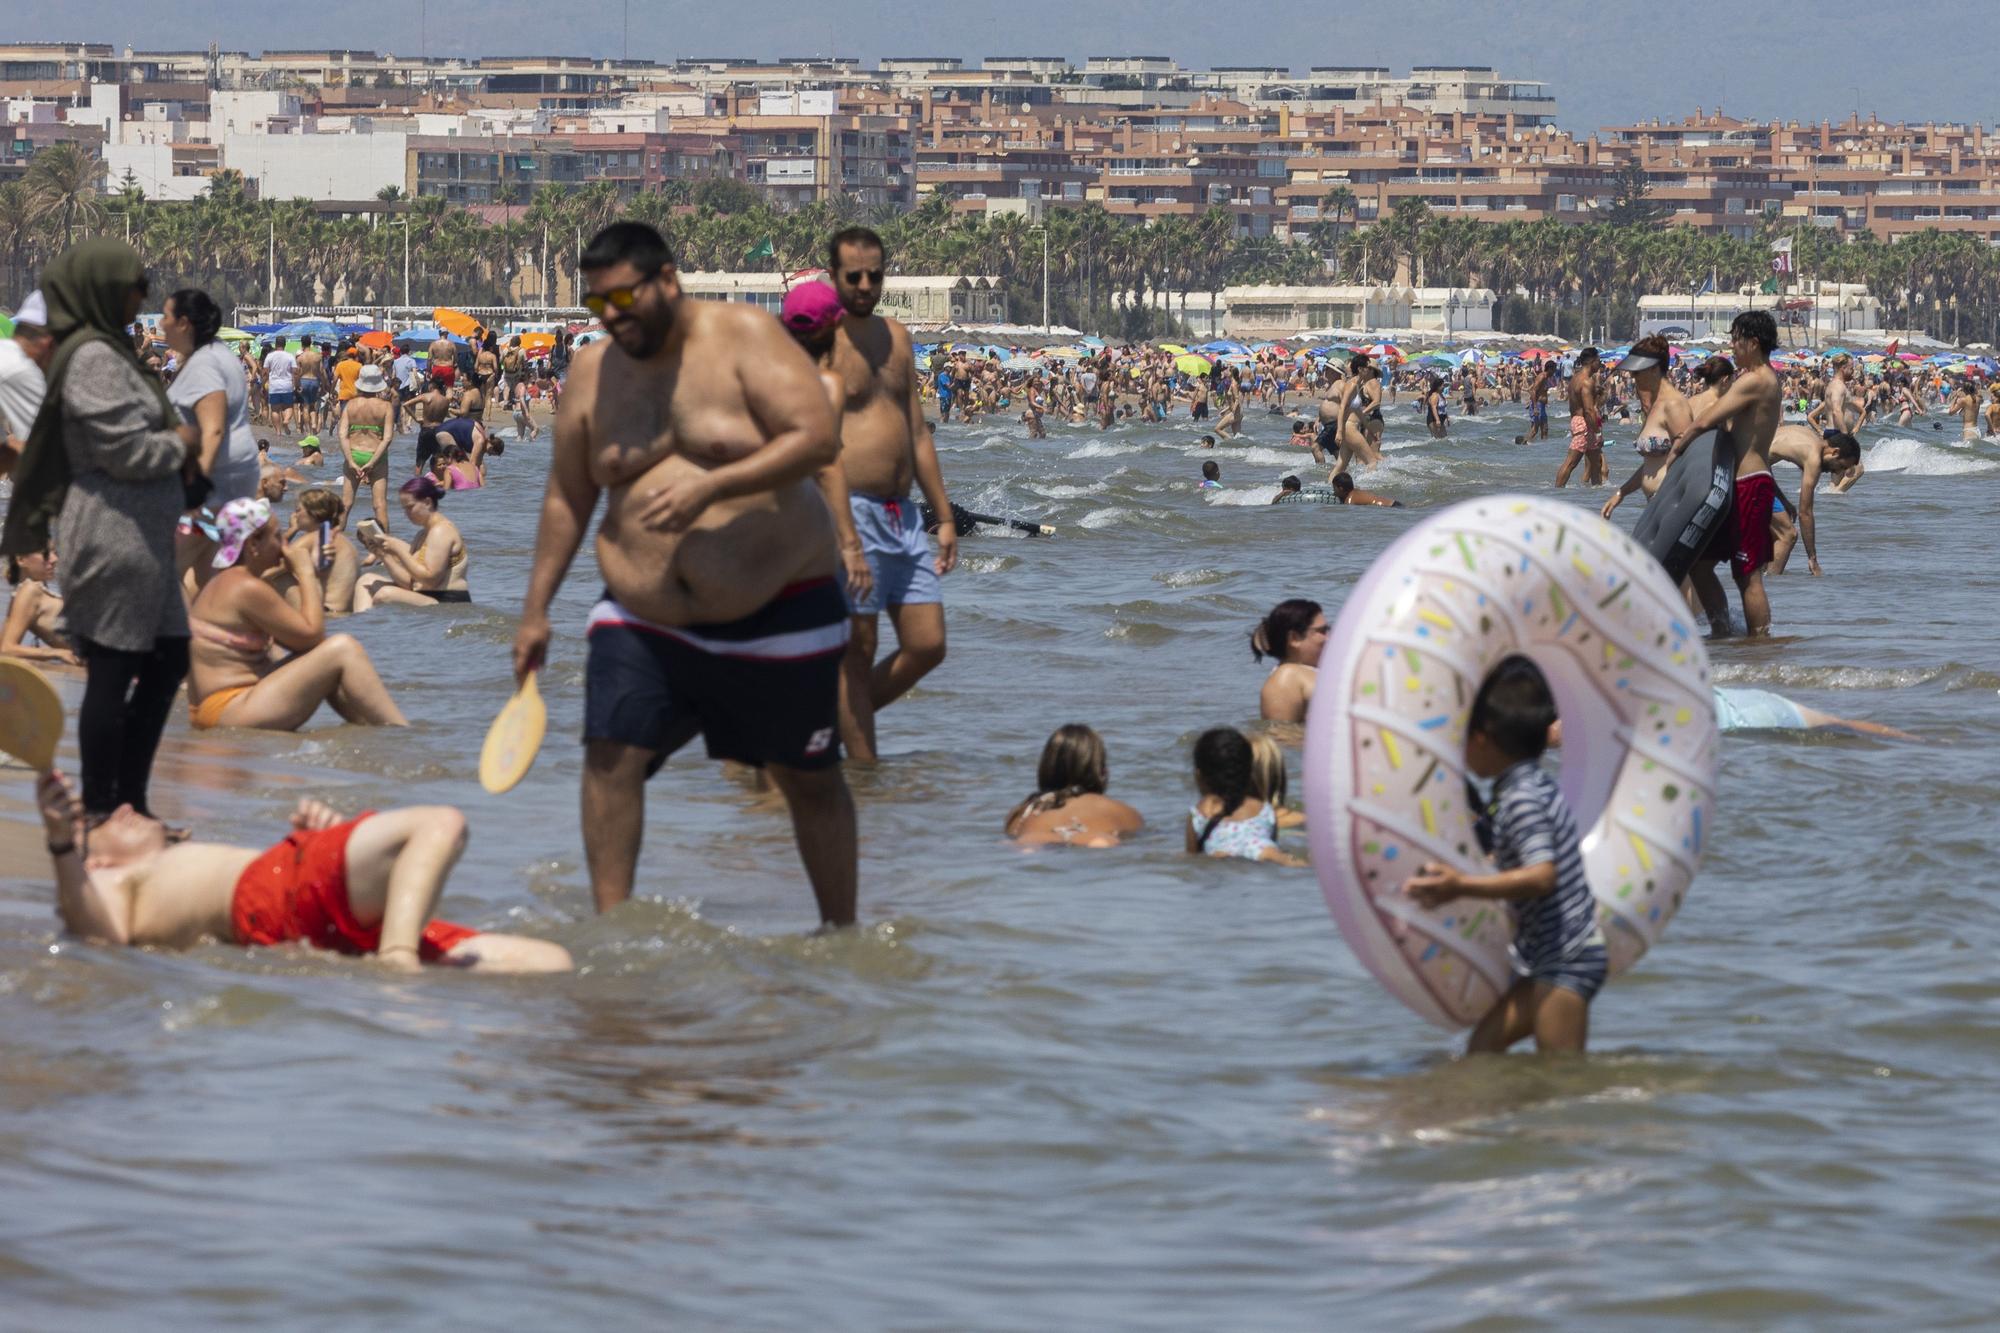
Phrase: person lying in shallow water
(365, 886)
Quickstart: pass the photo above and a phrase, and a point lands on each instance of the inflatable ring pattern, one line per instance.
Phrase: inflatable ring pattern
(1385, 742)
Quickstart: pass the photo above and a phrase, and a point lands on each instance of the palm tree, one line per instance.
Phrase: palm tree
(1339, 201)
(63, 183)
(1406, 223)
(17, 238)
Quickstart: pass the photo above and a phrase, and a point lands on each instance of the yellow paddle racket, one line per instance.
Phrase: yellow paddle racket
(31, 716)
(513, 740)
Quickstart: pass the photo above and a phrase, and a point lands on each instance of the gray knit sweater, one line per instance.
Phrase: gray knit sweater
(116, 533)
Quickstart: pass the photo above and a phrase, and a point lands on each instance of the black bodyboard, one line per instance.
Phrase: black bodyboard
(1692, 506)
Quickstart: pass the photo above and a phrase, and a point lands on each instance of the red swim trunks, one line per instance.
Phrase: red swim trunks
(1586, 434)
(298, 891)
(444, 375)
(1749, 536)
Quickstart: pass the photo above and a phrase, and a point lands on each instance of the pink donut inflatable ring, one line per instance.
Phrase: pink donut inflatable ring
(1385, 738)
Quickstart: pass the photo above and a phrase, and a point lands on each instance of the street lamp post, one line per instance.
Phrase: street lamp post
(1954, 319)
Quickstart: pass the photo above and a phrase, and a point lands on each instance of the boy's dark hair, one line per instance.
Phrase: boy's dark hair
(1342, 483)
(1845, 447)
(632, 243)
(1211, 471)
(1756, 324)
(861, 236)
(1515, 709)
(1288, 483)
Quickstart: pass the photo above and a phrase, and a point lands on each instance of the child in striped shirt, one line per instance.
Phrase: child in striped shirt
(1558, 947)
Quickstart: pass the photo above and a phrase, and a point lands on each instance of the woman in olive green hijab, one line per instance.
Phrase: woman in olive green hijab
(105, 460)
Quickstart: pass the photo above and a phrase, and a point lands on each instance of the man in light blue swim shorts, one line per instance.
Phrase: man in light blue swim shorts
(1761, 710)
(885, 444)
(1756, 710)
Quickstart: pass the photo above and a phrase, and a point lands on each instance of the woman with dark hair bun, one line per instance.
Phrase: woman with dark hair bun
(1294, 632)
(212, 395)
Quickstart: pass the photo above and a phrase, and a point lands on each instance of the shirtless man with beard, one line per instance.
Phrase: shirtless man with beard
(705, 424)
(885, 444)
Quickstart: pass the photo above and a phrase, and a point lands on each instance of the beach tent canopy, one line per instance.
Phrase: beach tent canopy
(308, 328)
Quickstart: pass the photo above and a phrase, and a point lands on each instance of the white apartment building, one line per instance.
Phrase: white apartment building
(319, 166)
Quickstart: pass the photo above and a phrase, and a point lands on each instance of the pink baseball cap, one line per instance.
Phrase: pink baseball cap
(239, 521)
(811, 307)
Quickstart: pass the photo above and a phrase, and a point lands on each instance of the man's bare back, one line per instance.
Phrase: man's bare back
(646, 431)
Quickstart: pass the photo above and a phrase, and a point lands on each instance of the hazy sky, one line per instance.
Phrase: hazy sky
(1908, 59)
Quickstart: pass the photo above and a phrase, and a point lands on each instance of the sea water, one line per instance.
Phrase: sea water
(1060, 1089)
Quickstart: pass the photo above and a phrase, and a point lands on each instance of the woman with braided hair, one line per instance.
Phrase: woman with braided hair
(1069, 805)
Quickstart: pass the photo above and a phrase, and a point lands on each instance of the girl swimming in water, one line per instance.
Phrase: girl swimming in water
(1229, 820)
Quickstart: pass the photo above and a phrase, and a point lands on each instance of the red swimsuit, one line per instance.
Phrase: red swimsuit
(298, 891)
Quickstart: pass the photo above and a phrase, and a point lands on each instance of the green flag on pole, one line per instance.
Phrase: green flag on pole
(1770, 286)
(762, 250)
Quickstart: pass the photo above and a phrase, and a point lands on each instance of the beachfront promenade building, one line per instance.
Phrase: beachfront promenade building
(1281, 152)
(1808, 312)
(1272, 311)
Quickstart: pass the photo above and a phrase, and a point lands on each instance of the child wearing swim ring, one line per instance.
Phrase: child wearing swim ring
(1532, 836)
(1230, 820)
